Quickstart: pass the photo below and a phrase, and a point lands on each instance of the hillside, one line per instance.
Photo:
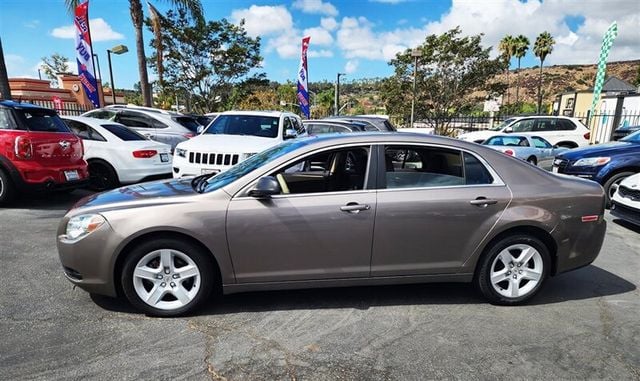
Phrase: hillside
(562, 78)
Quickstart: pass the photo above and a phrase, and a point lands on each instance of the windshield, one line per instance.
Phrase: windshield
(264, 126)
(503, 124)
(123, 132)
(251, 164)
(41, 120)
(633, 138)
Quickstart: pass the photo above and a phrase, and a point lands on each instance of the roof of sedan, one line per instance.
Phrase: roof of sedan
(382, 137)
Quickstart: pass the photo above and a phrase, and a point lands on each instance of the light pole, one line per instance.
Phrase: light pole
(118, 49)
(415, 53)
(336, 104)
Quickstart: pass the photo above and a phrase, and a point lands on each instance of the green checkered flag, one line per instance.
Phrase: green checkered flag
(607, 42)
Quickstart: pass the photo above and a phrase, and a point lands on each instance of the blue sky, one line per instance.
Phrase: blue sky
(357, 37)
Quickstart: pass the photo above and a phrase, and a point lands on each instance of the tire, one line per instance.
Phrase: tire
(174, 289)
(102, 176)
(513, 282)
(615, 179)
(7, 188)
(532, 160)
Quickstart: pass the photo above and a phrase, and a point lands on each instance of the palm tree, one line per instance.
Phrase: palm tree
(520, 49)
(542, 48)
(5, 91)
(194, 7)
(506, 49)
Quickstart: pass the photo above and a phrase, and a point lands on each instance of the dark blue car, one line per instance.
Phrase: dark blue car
(608, 163)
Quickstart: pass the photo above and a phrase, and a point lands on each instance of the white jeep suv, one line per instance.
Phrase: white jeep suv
(560, 131)
(231, 138)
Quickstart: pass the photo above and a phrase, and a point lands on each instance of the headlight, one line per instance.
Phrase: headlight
(592, 162)
(80, 226)
(181, 152)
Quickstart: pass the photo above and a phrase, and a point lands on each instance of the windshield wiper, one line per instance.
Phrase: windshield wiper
(196, 182)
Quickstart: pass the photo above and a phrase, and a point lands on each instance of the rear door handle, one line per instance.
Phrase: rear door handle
(483, 202)
(354, 208)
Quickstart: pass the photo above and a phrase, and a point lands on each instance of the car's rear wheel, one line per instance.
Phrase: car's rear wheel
(609, 188)
(102, 176)
(7, 189)
(167, 277)
(513, 270)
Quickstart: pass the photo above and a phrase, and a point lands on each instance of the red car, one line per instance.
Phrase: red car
(38, 152)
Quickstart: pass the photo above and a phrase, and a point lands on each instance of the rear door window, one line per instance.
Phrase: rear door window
(84, 131)
(422, 167)
(137, 120)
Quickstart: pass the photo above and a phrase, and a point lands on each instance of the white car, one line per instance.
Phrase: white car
(118, 155)
(560, 131)
(625, 203)
(231, 138)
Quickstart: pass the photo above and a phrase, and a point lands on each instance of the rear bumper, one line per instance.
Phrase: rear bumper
(579, 243)
(48, 179)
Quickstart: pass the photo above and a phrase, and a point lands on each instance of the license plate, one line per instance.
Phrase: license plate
(209, 171)
(164, 157)
(71, 175)
(555, 169)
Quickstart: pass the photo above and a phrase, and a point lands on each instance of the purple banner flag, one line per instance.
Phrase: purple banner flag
(84, 54)
(303, 89)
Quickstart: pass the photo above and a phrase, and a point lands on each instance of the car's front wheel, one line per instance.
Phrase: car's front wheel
(513, 270)
(168, 277)
(610, 189)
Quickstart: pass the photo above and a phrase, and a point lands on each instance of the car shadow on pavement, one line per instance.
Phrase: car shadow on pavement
(628, 225)
(586, 283)
(49, 200)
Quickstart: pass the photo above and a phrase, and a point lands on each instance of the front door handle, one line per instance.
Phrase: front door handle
(483, 202)
(354, 208)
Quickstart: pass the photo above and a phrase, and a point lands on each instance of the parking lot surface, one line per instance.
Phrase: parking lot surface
(582, 325)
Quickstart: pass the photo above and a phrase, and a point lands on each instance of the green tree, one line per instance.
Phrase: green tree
(507, 50)
(520, 50)
(637, 81)
(5, 91)
(451, 68)
(56, 63)
(207, 60)
(193, 7)
(542, 48)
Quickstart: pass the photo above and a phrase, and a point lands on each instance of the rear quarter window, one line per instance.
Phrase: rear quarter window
(123, 133)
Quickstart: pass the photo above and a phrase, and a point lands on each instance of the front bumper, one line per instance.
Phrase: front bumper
(90, 263)
(624, 209)
(183, 168)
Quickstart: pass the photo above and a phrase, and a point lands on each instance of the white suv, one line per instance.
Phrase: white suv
(231, 138)
(560, 131)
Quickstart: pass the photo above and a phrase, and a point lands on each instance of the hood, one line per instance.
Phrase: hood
(632, 182)
(478, 135)
(139, 192)
(601, 150)
(228, 143)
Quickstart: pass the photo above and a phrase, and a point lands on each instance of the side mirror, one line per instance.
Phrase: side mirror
(290, 133)
(200, 129)
(265, 188)
(508, 130)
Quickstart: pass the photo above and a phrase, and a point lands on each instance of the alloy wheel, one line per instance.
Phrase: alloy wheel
(166, 279)
(516, 271)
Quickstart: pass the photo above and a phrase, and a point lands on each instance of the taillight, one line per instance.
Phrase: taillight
(23, 147)
(587, 135)
(509, 152)
(145, 153)
(188, 136)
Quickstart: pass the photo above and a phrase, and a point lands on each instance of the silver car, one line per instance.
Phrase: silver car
(332, 211)
(532, 149)
(163, 126)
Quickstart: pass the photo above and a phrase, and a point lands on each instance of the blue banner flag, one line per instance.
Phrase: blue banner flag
(84, 54)
(303, 89)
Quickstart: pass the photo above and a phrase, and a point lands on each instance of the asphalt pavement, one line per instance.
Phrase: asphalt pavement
(582, 325)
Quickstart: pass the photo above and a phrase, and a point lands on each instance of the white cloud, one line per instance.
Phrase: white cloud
(319, 36)
(315, 7)
(359, 38)
(328, 23)
(388, 1)
(322, 53)
(263, 20)
(100, 31)
(351, 66)
(32, 24)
